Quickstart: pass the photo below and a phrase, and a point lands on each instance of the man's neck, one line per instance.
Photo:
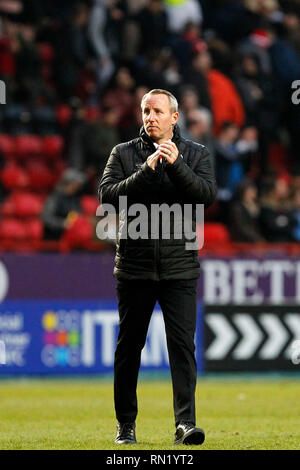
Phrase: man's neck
(160, 141)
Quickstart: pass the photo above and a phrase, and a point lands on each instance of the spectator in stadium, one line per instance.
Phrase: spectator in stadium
(276, 219)
(158, 167)
(152, 24)
(27, 57)
(31, 86)
(160, 69)
(119, 96)
(72, 50)
(188, 101)
(244, 213)
(171, 72)
(227, 155)
(116, 23)
(132, 131)
(261, 100)
(264, 7)
(100, 137)
(286, 69)
(62, 206)
(257, 45)
(182, 12)
(8, 47)
(230, 19)
(257, 92)
(199, 125)
(188, 43)
(226, 104)
(291, 22)
(194, 75)
(247, 146)
(74, 135)
(96, 33)
(199, 129)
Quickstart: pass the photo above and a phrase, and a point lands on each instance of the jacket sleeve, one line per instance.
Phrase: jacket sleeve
(114, 182)
(197, 185)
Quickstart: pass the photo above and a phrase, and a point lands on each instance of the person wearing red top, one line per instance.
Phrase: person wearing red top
(226, 105)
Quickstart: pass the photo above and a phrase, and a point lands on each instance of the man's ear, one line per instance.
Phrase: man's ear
(175, 117)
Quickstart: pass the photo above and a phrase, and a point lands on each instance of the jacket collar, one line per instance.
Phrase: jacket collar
(146, 139)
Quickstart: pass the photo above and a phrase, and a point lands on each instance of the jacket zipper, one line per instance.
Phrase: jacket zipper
(156, 246)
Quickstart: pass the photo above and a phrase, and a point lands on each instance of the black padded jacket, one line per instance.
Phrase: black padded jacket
(188, 181)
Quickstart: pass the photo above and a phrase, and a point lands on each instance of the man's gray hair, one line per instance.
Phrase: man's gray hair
(158, 91)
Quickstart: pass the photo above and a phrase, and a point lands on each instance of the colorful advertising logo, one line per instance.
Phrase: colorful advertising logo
(61, 338)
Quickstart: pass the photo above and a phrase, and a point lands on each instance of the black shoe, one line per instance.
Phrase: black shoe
(187, 433)
(125, 433)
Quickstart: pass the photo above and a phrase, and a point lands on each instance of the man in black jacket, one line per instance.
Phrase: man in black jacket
(159, 167)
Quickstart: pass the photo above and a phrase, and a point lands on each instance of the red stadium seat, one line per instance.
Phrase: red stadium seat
(34, 229)
(27, 145)
(8, 208)
(14, 177)
(89, 205)
(22, 204)
(216, 233)
(12, 229)
(27, 204)
(7, 145)
(40, 177)
(53, 146)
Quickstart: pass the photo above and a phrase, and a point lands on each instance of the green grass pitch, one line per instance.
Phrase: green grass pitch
(79, 414)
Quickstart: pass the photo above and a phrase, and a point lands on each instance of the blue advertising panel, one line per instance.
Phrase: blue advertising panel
(73, 337)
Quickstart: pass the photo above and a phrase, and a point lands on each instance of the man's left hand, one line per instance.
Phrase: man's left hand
(169, 151)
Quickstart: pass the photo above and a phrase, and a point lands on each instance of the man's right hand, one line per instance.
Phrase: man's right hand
(153, 159)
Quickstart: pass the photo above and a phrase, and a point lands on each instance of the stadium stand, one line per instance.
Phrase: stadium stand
(73, 87)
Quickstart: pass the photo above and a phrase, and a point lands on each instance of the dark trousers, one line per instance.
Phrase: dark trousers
(137, 299)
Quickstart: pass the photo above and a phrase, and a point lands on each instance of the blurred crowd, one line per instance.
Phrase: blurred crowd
(79, 68)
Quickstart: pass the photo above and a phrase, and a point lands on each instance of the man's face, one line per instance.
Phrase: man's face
(158, 119)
